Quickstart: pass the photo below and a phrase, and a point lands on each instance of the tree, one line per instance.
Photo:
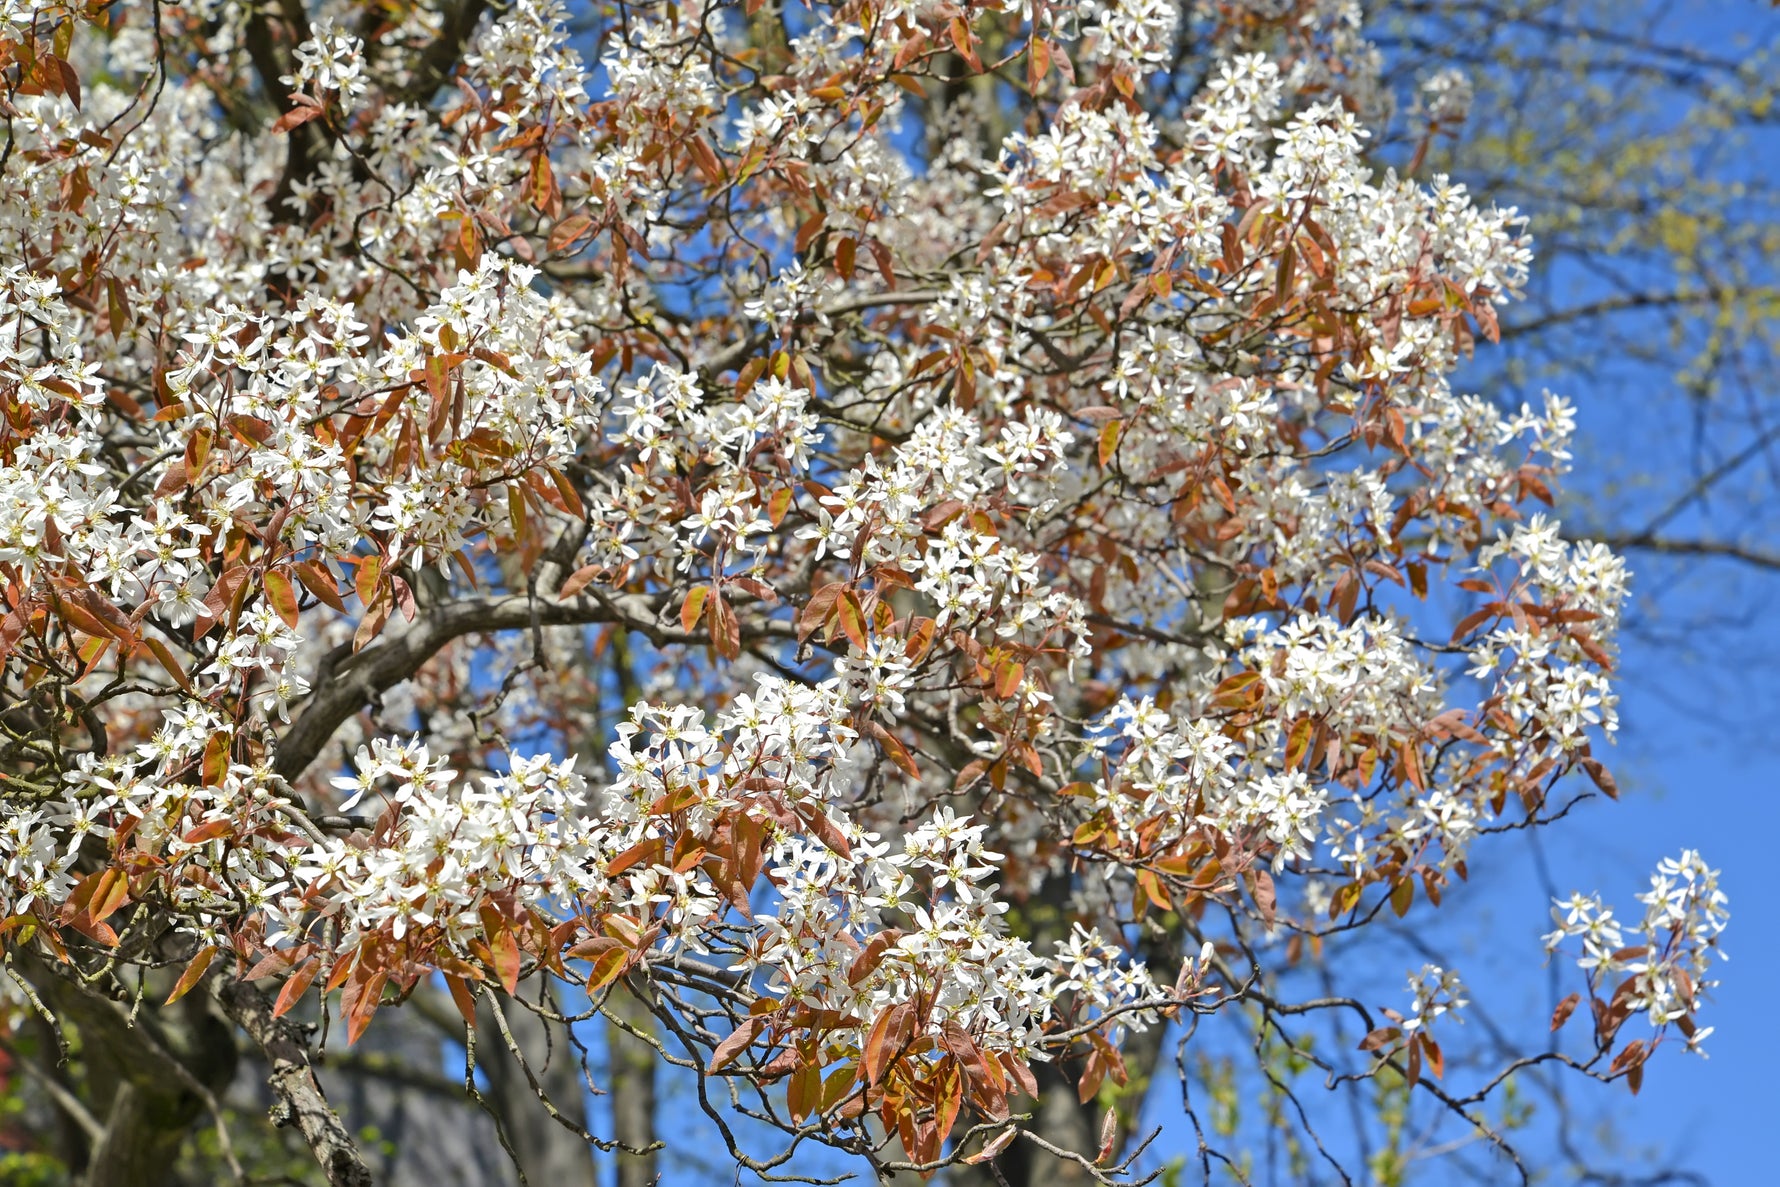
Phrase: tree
(985, 482)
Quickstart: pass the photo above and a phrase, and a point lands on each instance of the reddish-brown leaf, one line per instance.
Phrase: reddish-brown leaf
(726, 632)
(868, 960)
(1435, 1058)
(282, 595)
(1109, 441)
(463, 998)
(1093, 1075)
(804, 1094)
(1603, 779)
(734, 1045)
(883, 1043)
(567, 231)
(294, 118)
(607, 967)
(216, 758)
(897, 752)
(506, 958)
(962, 42)
(161, 652)
(369, 578)
(295, 987)
(1474, 620)
(112, 892)
(1380, 1037)
(852, 619)
(579, 580)
(919, 640)
(647, 850)
(693, 607)
(825, 829)
(365, 1005)
(318, 581)
(1240, 691)
(194, 973)
(1266, 897)
(817, 610)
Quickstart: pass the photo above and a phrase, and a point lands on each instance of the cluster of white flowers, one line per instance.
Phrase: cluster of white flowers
(1434, 991)
(950, 948)
(37, 860)
(1130, 31)
(1444, 97)
(1106, 977)
(793, 296)
(330, 61)
(1546, 676)
(523, 828)
(1663, 961)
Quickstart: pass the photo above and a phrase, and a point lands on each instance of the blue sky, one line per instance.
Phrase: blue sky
(1696, 754)
(1697, 760)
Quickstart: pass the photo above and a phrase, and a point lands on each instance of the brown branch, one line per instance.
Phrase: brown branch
(735, 353)
(1623, 303)
(439, 59)
(389, 1069)
(166, 1075)
(58, 1093)
(1724, 549)
(344, 683)
(301, 1100)
(1701, 487)
(301, 157)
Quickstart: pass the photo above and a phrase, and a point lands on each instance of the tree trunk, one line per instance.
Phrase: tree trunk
(632, 1078)
(1059, 1116)
(550, 1154)
(143, 1133)
(631, 1059)
(148, 1075)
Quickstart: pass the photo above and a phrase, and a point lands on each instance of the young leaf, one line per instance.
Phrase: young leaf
(295, 987)
(607, 967)
(1109, 1134)
(463, 998)
(194, 973)
(693, 607)
(734, 1045)
(852, 619)
(282, 596)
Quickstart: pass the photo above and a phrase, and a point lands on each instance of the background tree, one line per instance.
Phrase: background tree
(1640, 144)
(874, 418)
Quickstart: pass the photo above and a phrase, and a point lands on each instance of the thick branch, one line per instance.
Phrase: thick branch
(293, 1081)
(301, 144)
(164, 1068)
(346, 683)
(439, 59)
(1620, 303)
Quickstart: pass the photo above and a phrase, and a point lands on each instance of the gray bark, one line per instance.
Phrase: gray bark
(148, 1078)
(549, 1153)
(632, 1078)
